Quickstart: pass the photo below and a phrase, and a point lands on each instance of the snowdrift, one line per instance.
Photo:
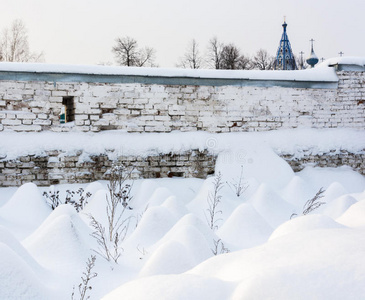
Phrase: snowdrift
(169, 250)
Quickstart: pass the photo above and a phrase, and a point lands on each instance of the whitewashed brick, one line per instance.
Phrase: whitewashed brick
(59, 93)
(29, 116)
(101, 122)
(27, 122)
(11, 122)
(81, 117)
(16, 97)
(79, 122)
(42, 122)
(27, 128)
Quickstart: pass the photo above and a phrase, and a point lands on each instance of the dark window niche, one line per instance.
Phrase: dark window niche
(68, 102)
(175, 174)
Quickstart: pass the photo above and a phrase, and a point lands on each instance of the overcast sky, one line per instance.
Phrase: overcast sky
(84, 31)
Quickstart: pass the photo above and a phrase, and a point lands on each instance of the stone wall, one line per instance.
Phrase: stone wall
(332, 159)
(56, 167)
(137, 107)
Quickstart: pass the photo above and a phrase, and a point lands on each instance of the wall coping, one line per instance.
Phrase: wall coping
(310, 78)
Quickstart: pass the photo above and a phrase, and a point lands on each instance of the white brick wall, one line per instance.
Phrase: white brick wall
(159, 108)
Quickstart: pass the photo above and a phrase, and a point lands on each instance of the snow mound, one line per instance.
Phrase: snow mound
(159, 196)
(62, 242)
(304, 223)
(324, 177)
(284, 268)
(171, 257)
(199, 204)
(192, 239)
(155, 222)
(190, 221)
(259, 162)
(25, 211)
(245, 228)
(191, 242)
(18, 280)
(144, 192)
(297, 192)
(94, 187)
(271, 206)
(172, 287)
(96, 206)
(334, 191)
(10, 241)
(354, 216)
(338, 206)
(303, 271)
(177, 209)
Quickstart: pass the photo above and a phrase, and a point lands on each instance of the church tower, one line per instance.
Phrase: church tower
(284, 57)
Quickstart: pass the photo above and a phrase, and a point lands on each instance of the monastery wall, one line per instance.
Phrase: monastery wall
(137, 107)
(33, 103)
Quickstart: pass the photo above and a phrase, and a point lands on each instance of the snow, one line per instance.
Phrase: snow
(31, 210)
(354, 216)
(168, 251)
(304, 223)
(293, 141)
(322, 74)
(62, 241)
(271, 206)
(254, 230)
(344, 60)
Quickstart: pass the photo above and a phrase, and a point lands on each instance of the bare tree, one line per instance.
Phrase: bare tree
(127, 53)
(215, 53)
(191, 58)
(244, 63)
(146, 57)
(232, 59)
(263, 60)
(14, 46)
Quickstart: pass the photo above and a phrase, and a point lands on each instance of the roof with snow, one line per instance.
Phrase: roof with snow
(346, 63)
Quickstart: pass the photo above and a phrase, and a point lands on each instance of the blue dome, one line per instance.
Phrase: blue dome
(312, 59)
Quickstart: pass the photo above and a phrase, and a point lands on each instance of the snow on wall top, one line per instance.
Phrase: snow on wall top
(294, 141)
(317, 74)
(344, 60)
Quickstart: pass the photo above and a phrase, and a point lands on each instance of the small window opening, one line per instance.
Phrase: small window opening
(68, 110)
(175, 174)
(107, 110)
